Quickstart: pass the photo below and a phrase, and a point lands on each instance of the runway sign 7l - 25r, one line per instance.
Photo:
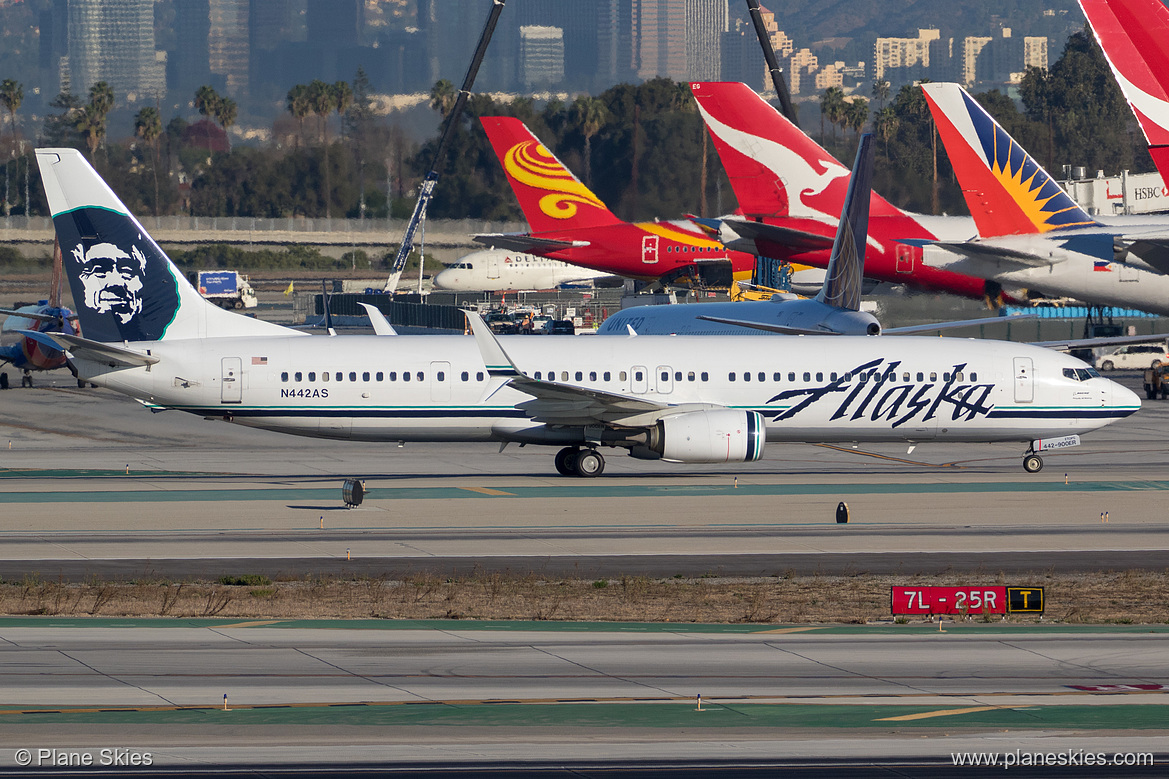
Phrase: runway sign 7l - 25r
(925, 601)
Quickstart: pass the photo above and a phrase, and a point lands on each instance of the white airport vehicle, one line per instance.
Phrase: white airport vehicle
(499, 270)
(227, 289)
(149, 335)
(1134, 357)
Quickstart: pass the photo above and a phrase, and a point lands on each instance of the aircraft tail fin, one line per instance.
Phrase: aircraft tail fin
(124, 286)
(846, 264)
(1134, 35)
(551, 197)
(1006, 189)
(774, 167)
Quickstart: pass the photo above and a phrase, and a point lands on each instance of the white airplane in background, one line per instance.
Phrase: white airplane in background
(499, 270)
(699, 399)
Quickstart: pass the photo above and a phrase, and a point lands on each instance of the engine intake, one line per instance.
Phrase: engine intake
(721, 436)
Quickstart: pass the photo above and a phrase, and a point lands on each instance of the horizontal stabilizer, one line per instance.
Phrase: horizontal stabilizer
(92, 351)
(929, 328)
(797, 240)
(984, 250)
(519, 242)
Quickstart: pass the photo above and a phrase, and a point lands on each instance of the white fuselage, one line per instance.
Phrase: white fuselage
(497, 270)
(808, 388)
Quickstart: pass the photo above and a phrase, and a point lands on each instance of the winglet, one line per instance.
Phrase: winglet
(496, 360)
(1008, 192)
(632, 332)
(846, 265)
(381, 325)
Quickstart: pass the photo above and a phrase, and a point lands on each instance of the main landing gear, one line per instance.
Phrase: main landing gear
(572, 461)
(1032, 463)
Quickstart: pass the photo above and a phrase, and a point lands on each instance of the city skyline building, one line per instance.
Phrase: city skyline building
(541, 56)
(113, 41)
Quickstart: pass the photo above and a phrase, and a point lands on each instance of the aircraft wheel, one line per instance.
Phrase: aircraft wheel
(26, 380)
(81, 384)
(1107, 365)
(1033, 463)
(566, 461)
(590, 463)
(237, 304)
(3, 381)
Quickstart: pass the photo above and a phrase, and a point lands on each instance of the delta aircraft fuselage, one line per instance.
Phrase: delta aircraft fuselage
(808, 389)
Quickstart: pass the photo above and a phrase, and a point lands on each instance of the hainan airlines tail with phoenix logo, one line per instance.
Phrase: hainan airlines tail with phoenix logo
(570, 223)
(1134, 35)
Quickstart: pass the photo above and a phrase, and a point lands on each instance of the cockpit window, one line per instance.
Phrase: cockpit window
(1083, 374)
(1070, 373)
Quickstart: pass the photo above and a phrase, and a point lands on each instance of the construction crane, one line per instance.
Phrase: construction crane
(426, 191)
(785, 101)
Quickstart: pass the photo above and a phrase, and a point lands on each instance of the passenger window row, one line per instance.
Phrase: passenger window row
(339, 376)
(863, 377)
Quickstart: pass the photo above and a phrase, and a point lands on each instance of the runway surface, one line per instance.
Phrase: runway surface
(392, 692)
(94, 485)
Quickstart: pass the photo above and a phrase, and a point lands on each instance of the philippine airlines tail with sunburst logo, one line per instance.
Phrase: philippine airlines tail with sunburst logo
(1135, 37)
(1007, 191)
(549, 195)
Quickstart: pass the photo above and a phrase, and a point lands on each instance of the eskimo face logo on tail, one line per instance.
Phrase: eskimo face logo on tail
(529, 162)
(122, 282)
(112, 279)
(1042, 201)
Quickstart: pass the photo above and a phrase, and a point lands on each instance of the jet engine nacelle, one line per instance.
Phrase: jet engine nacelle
(721, 436)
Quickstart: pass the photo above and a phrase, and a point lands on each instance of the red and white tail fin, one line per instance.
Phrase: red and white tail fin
(1135, 37)
(549, 195)
(1008, 192)
(774, 168)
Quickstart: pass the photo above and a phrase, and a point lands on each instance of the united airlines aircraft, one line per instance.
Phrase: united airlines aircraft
(698, 399)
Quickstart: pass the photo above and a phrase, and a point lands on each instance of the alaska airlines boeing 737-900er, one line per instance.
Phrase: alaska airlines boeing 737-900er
(689, 399)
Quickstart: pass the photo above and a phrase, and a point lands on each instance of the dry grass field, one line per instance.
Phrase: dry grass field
(1129, 597)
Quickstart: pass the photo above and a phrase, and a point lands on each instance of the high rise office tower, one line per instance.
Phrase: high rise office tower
(113, 41)
(706, 21)
(228, 44)
(334, 22)
(189, 66)
(541, 58)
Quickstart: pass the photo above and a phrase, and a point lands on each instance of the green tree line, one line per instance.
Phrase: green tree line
(641, 148)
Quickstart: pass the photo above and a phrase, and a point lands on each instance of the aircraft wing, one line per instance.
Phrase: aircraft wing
(1088, 343)
(929, 328)
(524, 243)
(781, 329)
(94, 351)
(799, 240)
(563, 404)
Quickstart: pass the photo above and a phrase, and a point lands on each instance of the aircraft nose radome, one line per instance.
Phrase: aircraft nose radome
(1122, 396)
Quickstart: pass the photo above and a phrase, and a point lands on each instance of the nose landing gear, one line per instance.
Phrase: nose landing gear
(572, 461)
(1032, 463)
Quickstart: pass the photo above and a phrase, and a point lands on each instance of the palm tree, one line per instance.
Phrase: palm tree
(342, 100)
(299, 107)
(90, 120)
(320, 101)
(856, 114)
(11, 96)
(831, 108)
(880, 92)
(443, 96)
(591, 114)
(148, 127)
(206, 99)
(225, 115)
(885, 125)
